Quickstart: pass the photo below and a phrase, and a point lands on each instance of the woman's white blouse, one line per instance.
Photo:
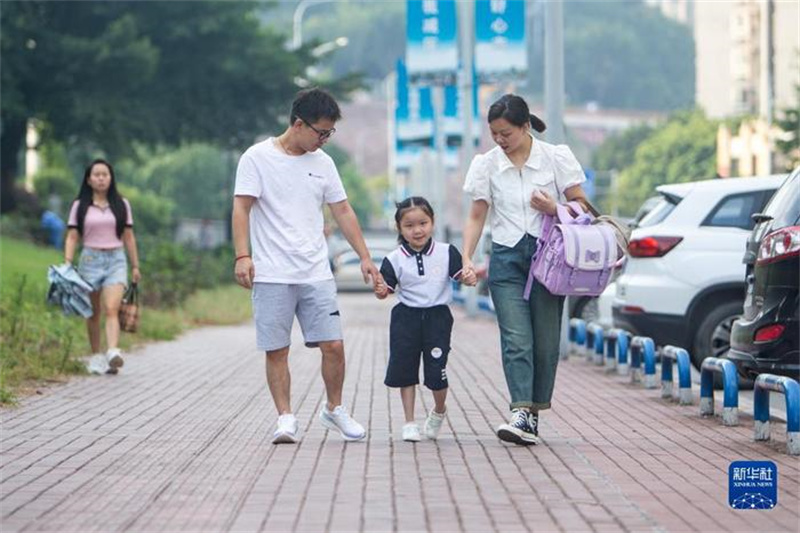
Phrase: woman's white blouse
(494, 178)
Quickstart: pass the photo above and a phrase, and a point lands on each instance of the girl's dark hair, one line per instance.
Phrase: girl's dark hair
(314, 104)
(114, 199)
(514, 109)
(413, 202)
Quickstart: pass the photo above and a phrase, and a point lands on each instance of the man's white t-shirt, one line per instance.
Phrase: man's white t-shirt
(286, 222)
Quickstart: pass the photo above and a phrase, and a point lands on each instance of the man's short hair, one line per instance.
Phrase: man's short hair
(314, 104)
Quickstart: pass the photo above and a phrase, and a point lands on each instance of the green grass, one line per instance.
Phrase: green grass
(37, 343)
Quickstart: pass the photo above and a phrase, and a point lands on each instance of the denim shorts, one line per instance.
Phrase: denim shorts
(103, 268)
(276, 304)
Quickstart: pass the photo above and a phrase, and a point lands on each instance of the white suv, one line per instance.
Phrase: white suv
(683, 283)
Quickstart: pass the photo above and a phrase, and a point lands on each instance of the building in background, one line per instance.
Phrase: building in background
(730, 66)
(679, 10)
(747, 64)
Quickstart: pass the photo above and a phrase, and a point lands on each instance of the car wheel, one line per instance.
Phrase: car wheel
(587, 309)
(713, 337)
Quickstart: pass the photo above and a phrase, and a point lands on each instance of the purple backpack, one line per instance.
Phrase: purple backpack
(574, 257)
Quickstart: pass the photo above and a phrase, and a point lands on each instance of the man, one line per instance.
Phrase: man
(281, 186)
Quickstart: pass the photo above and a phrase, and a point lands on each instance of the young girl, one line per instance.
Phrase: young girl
(420, 273)
(102, 219)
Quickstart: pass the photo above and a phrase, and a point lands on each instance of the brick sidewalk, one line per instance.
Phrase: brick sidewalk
(180, 441)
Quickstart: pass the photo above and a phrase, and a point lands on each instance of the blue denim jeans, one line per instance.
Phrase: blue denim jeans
(530, 331)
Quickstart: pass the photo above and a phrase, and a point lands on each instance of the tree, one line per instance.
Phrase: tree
(619, 151)
(683, 149)
(789, 144)
(376, 34)
(197, 178)
(109, 74)
(357, 193)
(624, 55)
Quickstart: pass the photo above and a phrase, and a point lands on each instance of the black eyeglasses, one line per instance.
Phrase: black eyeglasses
(323, 134)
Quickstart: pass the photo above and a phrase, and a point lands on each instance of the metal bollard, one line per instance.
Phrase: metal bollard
(681, 357)
(623, 341)
(791, 390)
(594, 343)
(611, 349)
(579, 339)
(730, 412)
(643, 348)
(574, 335)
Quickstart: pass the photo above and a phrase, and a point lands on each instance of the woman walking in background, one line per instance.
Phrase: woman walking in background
(521, 179)
(102, 221)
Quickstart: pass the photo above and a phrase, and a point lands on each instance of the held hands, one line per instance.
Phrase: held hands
(380, 289)
(370, 271)
(468, 275)
(136, 275)
(244, 272)
(541, 201)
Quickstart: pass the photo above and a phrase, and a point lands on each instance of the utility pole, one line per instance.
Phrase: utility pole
(554, 105)
(466, 21)
(554, 71)
(766, 80)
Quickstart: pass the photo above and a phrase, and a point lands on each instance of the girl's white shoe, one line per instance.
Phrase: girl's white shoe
(433, 424)
(411, 432)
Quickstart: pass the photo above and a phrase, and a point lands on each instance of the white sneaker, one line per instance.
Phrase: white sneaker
(97, 364)
(433, 424)
(411, 432)
(286, 430)
(114, 359)
(341, 421)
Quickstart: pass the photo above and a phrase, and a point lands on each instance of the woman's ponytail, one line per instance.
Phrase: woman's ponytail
(537, 124)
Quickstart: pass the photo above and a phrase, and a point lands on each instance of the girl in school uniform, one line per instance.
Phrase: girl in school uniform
(419, 272)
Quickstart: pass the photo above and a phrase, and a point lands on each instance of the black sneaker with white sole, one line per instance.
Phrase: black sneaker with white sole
(523, 428)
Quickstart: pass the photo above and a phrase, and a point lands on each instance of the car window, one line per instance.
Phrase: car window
(784, 208)
(736, 210)
(643, 211)
(659, 212)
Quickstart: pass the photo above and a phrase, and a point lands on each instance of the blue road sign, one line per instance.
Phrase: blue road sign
(431, 47)
(500, 37)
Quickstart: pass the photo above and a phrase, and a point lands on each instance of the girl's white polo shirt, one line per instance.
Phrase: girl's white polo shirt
(422, 278)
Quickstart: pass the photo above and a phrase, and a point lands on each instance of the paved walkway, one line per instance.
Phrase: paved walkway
(180, 441)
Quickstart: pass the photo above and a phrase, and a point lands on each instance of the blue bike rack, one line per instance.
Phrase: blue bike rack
(681, 357)
(594, 343)
(623, 341)
(577, 335)
(643, 348)
(710, 366)
(791, 390)
(611, 349)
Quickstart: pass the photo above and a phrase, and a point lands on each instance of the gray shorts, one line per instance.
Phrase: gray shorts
(276, 304)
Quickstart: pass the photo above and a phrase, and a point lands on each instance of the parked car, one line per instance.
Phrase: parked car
(765, 338)
(683, 283)
(346, 267)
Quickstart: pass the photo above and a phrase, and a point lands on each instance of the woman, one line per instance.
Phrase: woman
(520, 180)
(103, 221)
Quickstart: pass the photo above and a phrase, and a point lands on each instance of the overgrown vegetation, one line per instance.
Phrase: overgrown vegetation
(38, 343)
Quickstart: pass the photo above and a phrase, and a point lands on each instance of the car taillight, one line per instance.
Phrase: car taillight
(779, 245)
(769, 333)
(652, 246)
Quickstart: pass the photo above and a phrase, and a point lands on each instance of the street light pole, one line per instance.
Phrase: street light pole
(297, 20)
